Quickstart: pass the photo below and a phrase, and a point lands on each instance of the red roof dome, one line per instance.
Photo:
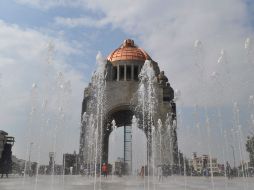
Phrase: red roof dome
(128, 51)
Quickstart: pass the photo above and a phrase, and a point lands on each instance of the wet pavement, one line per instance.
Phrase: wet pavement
(124, 183)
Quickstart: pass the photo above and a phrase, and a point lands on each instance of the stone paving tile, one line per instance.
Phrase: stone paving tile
(124, 183)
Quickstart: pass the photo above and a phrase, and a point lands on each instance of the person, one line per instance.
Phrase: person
(206, 172)
(142, 171)
(120, 171)
(104, 170)
(228, 171)
(160, 173)
(71, 170)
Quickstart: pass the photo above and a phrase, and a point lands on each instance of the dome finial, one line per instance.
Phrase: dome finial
(128, 43)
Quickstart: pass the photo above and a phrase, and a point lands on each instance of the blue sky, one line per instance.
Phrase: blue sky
(91, 39)
(167, 30)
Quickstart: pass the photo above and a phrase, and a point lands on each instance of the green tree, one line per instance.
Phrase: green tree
(250, 149)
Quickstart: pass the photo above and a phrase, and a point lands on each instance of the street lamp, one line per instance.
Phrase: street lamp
(233, 153)
(29, 158)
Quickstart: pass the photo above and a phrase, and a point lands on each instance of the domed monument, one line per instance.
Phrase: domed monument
(129, 85)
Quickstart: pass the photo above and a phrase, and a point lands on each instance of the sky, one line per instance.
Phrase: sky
(205, 48)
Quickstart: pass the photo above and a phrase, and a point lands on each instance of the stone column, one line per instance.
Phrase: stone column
(132, 72)
(125, 72)
(118, 73)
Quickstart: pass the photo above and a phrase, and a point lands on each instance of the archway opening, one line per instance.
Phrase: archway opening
(118, 143)
(128, 150)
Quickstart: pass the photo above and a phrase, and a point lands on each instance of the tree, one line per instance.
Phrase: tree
(250, 149)
(184, 168)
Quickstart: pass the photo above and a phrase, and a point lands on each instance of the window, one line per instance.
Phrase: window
(136, 72)
(128, 72)
(114, 74)
(121, 77)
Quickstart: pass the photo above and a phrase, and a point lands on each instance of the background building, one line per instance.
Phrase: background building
(70, 164)
(3, 136)
(18, 165)
(201, 163)
(6, 143)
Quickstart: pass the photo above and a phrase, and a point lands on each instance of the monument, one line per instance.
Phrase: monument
(117, 98)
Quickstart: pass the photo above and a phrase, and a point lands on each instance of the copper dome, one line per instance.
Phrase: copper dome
(128, 51)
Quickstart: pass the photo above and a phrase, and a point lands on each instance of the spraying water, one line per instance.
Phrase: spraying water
(93, 126)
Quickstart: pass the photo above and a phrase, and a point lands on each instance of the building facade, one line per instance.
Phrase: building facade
(6, 143)
(3, 136)
(203, 162)
(70, 163)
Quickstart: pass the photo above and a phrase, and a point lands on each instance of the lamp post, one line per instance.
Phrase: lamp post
(233, 153)
(29, 158)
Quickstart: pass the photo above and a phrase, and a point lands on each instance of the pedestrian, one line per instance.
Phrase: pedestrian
(120, 170)
(206, 172)
(142, 171)
(160, 173)
(228, 171)
(104, 170)
(71, 170)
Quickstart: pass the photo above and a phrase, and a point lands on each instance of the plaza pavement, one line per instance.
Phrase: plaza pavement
(124, 183)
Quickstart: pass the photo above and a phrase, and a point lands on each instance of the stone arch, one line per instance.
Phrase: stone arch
(122, 115)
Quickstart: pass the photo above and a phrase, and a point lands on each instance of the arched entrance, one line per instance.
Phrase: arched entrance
(136, 153)
(123, 118)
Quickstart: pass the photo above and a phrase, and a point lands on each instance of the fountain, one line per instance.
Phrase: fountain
(129, 91)
(143, 111)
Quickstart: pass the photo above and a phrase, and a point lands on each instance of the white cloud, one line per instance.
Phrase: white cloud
(168, 29)
(23, 61)
(80, 22)
(48, 4)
